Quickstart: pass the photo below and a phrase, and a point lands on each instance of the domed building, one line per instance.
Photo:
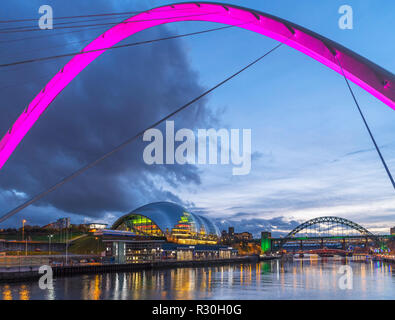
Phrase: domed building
(171, 221)
(162, 232)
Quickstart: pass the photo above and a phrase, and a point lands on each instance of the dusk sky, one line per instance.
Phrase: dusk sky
(311, 154)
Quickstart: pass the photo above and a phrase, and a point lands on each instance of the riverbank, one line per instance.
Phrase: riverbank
(24, 273)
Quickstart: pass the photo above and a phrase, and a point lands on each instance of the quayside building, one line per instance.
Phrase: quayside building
(163, 231)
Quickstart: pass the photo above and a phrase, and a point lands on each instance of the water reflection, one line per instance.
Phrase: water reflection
(300, 279)
(24, 293)
(7, 294)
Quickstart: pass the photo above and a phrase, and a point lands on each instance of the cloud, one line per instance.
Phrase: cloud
(363, 151)
(279, 226)
(295, 136)
(119, 94)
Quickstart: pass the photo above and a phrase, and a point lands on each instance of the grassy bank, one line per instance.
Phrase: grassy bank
(87, 245)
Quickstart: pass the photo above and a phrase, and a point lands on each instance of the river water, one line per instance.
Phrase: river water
(300, 279)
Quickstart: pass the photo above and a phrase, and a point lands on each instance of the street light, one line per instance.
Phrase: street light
(23, 229)
(97, 238)
(67, 242)
(23, 235)
(49, 240)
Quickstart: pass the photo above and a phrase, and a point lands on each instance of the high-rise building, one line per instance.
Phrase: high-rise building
(266, 243)
(266, 234)
(63, 223)
(243, 236)
(231, 231)
(392, 231)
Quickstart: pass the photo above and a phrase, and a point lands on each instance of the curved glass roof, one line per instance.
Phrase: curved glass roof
(166, 215)
(211, 227)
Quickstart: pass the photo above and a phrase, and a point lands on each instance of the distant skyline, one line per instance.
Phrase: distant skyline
(311, 155)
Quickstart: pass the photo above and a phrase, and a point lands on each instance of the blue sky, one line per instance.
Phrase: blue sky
(314, 157)
(317, 158)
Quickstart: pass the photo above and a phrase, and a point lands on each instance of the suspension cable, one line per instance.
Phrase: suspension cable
(73, 17)
(113, 47)
(89, 15)
(82, 28)
(366, 125)
(105, 24)
(27, 28)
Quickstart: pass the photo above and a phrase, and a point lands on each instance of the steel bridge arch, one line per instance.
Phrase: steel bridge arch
(341, 221)
(369, 76)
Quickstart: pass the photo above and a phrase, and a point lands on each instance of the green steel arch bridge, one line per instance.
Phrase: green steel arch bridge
(326, 232)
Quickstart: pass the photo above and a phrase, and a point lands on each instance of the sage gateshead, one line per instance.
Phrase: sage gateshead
(162, 231)
(171, 222)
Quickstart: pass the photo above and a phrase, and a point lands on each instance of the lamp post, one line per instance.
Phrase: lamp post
(66, 243)
(49, 240)
(23, 229)
(23, 235)
(97, 249)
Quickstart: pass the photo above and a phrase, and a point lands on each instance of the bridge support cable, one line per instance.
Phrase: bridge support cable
(72, 54)
(366, 124)
(128, 141)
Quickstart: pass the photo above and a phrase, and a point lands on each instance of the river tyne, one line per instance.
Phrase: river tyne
(298, 279)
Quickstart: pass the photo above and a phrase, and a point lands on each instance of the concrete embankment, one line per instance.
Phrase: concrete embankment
(30, 273)
(368, 258)
(11, 274)
(268, 258)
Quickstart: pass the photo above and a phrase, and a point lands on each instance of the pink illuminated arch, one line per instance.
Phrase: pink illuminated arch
(372, 78)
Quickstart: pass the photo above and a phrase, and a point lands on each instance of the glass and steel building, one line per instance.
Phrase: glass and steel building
(170, 221)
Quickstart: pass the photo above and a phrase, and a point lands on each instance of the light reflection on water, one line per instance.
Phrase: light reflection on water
(300, 279)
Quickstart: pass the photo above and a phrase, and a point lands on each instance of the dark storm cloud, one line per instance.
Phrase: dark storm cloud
(119, 94)
(242, 221)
